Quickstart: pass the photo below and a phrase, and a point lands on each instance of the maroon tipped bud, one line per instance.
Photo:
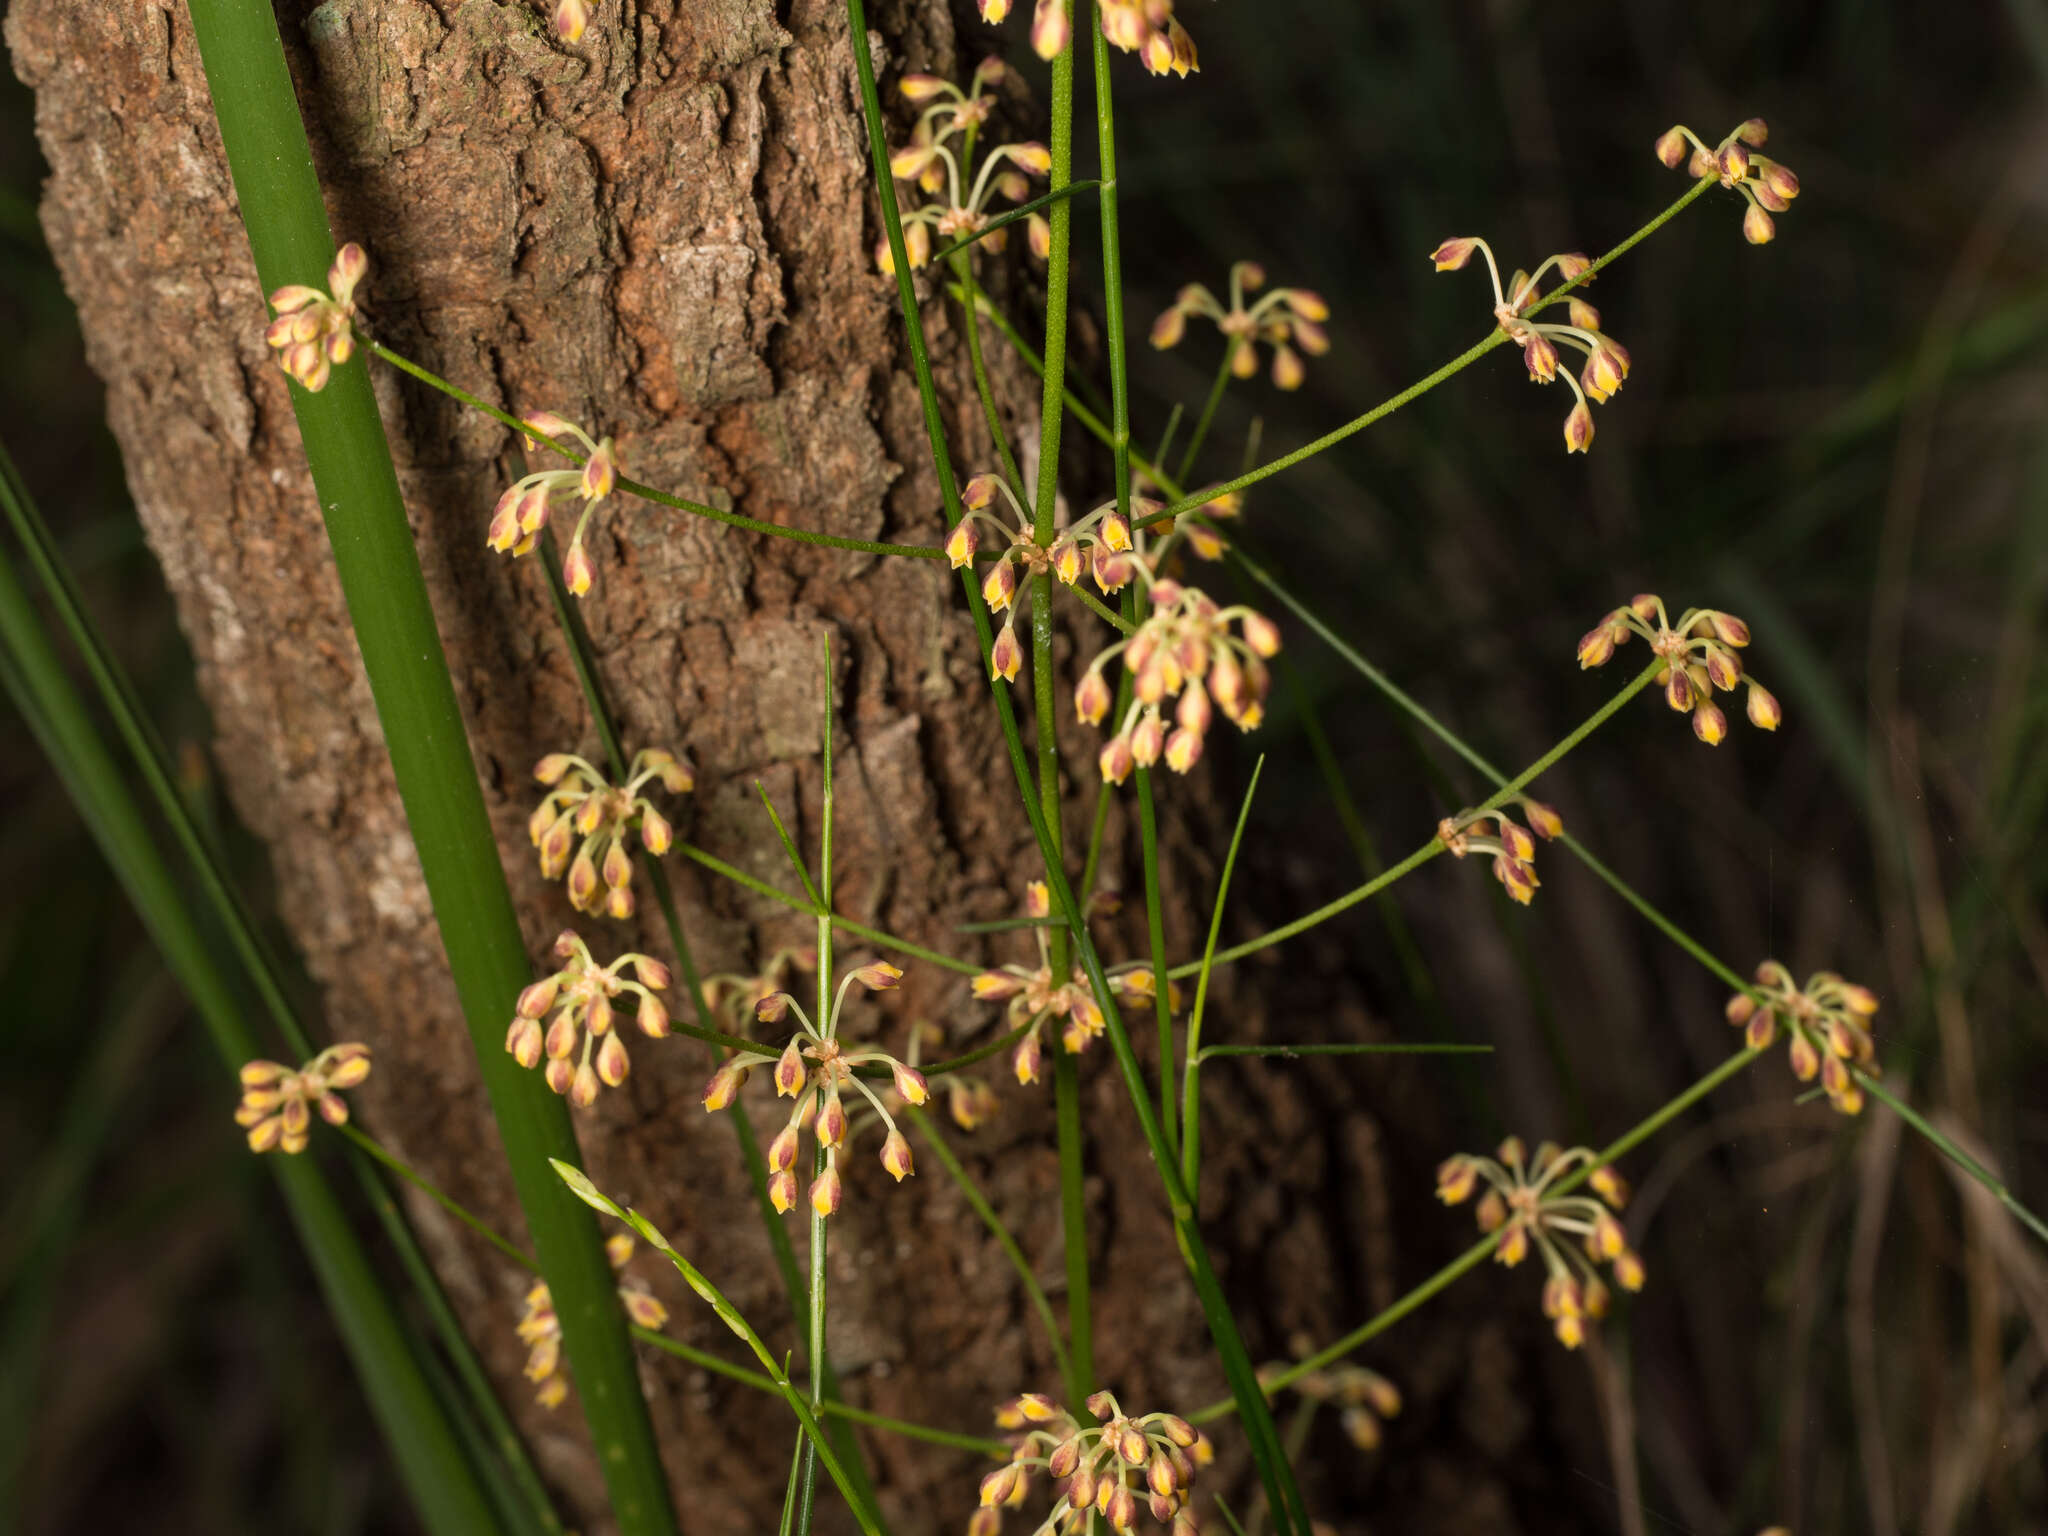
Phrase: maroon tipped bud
(1709, 723)
(533, 1002)
(1578, 429)
(1764, 711)
(612, 1062)
(831, 1127)
(825, 1192)
(1757, 227)
(896, 1156)
(1006, 656)
(1677, 688)
(1541, 356)
(1453, 253)
(652, 1018)
(910, 1084)
(789, 1070)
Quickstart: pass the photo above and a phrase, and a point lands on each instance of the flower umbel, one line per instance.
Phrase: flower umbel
(314, 331)
(1520, 1205)
(1144, 27)
(1513, 849)
(1111, 1468)
(1101, 543)
(1289, 320)
(523, 510)
(1699, 656)
(582, 803)
(815, 1068)
(1828, 1020)
(1766, 185)
(1186, 650)
(1363, 1398)
(540, 1329)
(580, 995)
(940, 159)
(1034, 1000)
(278, 1103)
(1607, 360)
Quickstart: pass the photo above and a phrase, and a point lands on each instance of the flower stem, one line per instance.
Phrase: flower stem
(964, 272)
(647, 492)
(1201, 432)
(927, 1127)
(1191, 1083)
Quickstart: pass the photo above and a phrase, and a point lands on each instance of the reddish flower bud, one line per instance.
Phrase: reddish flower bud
(1764, 711)
(652, 1018)
(1578, 429)
(1006, 656)
(881, 976)
(825, 1192)
(1709, 724)
(1454, 253)
(789, 1069)
(896, 1156)
(1091, 698)
(1757, 227)
(910, 1084)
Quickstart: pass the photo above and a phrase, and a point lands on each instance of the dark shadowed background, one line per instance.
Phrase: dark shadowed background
(1837, 436)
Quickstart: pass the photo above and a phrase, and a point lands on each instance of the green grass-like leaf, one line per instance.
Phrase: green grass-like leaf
(408, 675)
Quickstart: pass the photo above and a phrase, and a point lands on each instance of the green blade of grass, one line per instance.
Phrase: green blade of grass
(387, 600)
(427, 1448)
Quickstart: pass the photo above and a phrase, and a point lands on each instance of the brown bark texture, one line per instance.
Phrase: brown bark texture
(664, 233)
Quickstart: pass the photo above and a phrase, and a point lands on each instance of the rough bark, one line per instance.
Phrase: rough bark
(664, 233)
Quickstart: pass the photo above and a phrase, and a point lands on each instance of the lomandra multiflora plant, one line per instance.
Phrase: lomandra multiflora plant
(1160, 658)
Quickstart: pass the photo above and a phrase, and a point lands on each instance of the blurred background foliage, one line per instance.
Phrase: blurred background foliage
(1838, 436)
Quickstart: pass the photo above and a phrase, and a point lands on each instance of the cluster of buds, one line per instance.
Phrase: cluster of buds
(733, 998)
(945, 169)
(1100, 543)
(1186, 650)
(1607, 360)
(1034, 1000)
(314, 331)
(1144, 27)
(1513, 849)
(540, 1330)
(583, 803)
(1285, 319)
(523, 510)
(1522, 1207)
(1106, 1468)
(816, 1069)
(1766, 186)
(1364, 1398)
(1828, 1020)
(277, 1103)
(580, 996)
(1698, 653)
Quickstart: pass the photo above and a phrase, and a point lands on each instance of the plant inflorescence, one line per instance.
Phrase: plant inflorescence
(1181, 657)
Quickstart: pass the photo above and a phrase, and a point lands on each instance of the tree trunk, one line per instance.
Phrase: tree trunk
(663, 232)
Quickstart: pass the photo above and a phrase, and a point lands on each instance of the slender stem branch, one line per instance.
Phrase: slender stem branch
(1155, 932)
(1201, 432)
(1349, 1048)
(1477, 1253)
(1433, 847)
(1011, 215)
(440, 1197)
(1955, 1154)
(964, 272)
(927, 1127)
(647, 492)
(1191, 1083)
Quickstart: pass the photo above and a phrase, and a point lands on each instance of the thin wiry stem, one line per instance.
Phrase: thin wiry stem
(1472, 1257)
(647, 492)
(927, 1127)
(1191, 1081)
